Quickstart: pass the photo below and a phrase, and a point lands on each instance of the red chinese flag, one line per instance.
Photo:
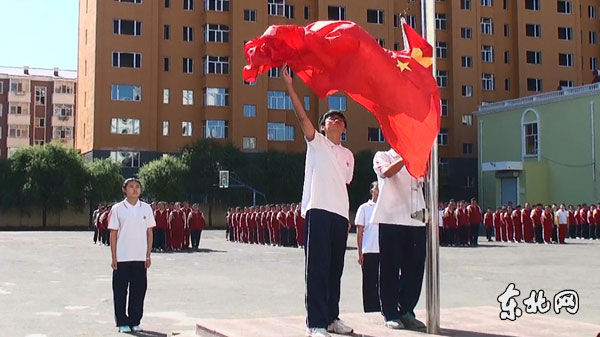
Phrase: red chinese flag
(396, 86)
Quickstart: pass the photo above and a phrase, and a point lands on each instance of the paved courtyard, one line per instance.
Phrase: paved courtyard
(59, 283)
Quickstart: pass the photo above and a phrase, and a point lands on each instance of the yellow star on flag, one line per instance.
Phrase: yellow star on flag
(403, 66)
(417, 55)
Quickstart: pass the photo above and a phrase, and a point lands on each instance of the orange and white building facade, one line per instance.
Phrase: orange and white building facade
(37, 106)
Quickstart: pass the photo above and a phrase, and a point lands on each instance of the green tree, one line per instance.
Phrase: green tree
(51, 177)
(7, 184)
(164, 178)
(105, 181)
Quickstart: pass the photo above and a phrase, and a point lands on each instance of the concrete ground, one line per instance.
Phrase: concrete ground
(59, 283)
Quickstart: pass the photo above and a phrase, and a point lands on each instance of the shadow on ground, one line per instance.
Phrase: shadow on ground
(148, 334)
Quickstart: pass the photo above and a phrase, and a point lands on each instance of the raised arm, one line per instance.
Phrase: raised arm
(307, 127)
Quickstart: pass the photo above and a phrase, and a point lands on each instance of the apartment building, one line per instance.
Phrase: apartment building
(37, 106)
(157, 75)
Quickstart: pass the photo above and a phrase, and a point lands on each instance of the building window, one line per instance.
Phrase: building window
(165, 128)
(125, 126)
(40, 122)
(127, 60)
(18, 109)
(16, 87)
(130, 1)
(274, 73)
(336, 13)
(188, 65)
(1, 110)
(533, 30)
(280, 132)
(375, 16)
(506, 30)
(487, 82)
(275, 7)
(533, 5)
(487, 26)
(166, 64)
(565, 60)
(249, 110)
(534, 84)
(487, 53)
(217, 5)
(188, 5)
(440, 21)
(188, 97)
(127, 27)
(534, 57)
(443, 165)
(217, 33)
(442, 78)
(563, 6)
(443, 137)
(487, 3)
(506, 57)
(565, 33)
(126, 92)
(306, 103)
(18, 131)
(593, 63)
(507, 84)
(381, 42)
(593, 38)
(444, 109)
(249, 143)
(216, 97)
(40, 95)
(565, 84)
(63, 132)
(467, 90)
(165, 96)
(59, 89)
(278, 100)
(186, 129)
(167, 32)
(216, 65)
(441, 49)
(375, 135)
(63, 110)
(469, 181)
(592, 12)
(215, 129)
(1, 87)
(126, 159)
(337, 103)
(466, 61)
(467, 148)
(467, 120)
(465, 5)
(411, 20)
(530, 134)
(250, 83)
(466, 33)
(250, 15)
(167, 3)
(188, 34)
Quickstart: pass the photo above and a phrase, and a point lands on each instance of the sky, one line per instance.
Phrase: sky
(39, 33)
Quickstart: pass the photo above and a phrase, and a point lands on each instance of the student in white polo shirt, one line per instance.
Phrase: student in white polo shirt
(329, 168)
(399, 211)
(367, 241)
(131, 223)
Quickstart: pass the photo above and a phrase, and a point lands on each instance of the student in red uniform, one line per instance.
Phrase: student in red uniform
(572, 222)
(536, 219)
(585, 226)
(300, 221)
(104, 224)
(177, 225)
(508, 223)
(547, 224)
(488, 222)
(186, 234)
(498, 224)
(463, 224)
(578, 222)
(196, 224)
(260, 231)
(475, 218)
(596, 217)
(282, 220)
(450, 222)
(162, 224)
(265, 224)
(291, 226)
(516, 219)
(527, 223)
(275, 225)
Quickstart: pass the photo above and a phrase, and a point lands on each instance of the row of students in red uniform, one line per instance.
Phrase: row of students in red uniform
(177, 226)
(276, 225)
(460, 223)
(100, 224)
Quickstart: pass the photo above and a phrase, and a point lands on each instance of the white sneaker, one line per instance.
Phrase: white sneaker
(339, 327)
(124, 328)
(136, 328)
(394, 324)
(317, 332)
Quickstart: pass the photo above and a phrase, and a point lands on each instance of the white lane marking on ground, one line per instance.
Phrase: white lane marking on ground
(8, 284)
(105, 279)
(36, 335)
(49, 313)
(4, 292)
(76, 307)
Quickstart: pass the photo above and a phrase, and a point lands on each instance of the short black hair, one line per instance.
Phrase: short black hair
(128, 180)
(332, 113)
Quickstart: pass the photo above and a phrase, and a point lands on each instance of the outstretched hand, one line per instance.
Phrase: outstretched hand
(286, 74)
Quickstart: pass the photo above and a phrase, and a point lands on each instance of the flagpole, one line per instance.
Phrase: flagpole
(432, 261)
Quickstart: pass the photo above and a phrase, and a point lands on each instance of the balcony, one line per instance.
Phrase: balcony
(58, 120)
(63, 98)
(19, 119)
(19, 97)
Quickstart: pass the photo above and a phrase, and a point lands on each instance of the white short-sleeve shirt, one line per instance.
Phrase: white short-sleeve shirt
(328, 169)
(562, 216)
(370, 240)
(131, 222)
(399, 195)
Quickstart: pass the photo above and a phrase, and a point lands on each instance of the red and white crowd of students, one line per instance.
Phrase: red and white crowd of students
(549, 224)
(276, 225)
(177, 226)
